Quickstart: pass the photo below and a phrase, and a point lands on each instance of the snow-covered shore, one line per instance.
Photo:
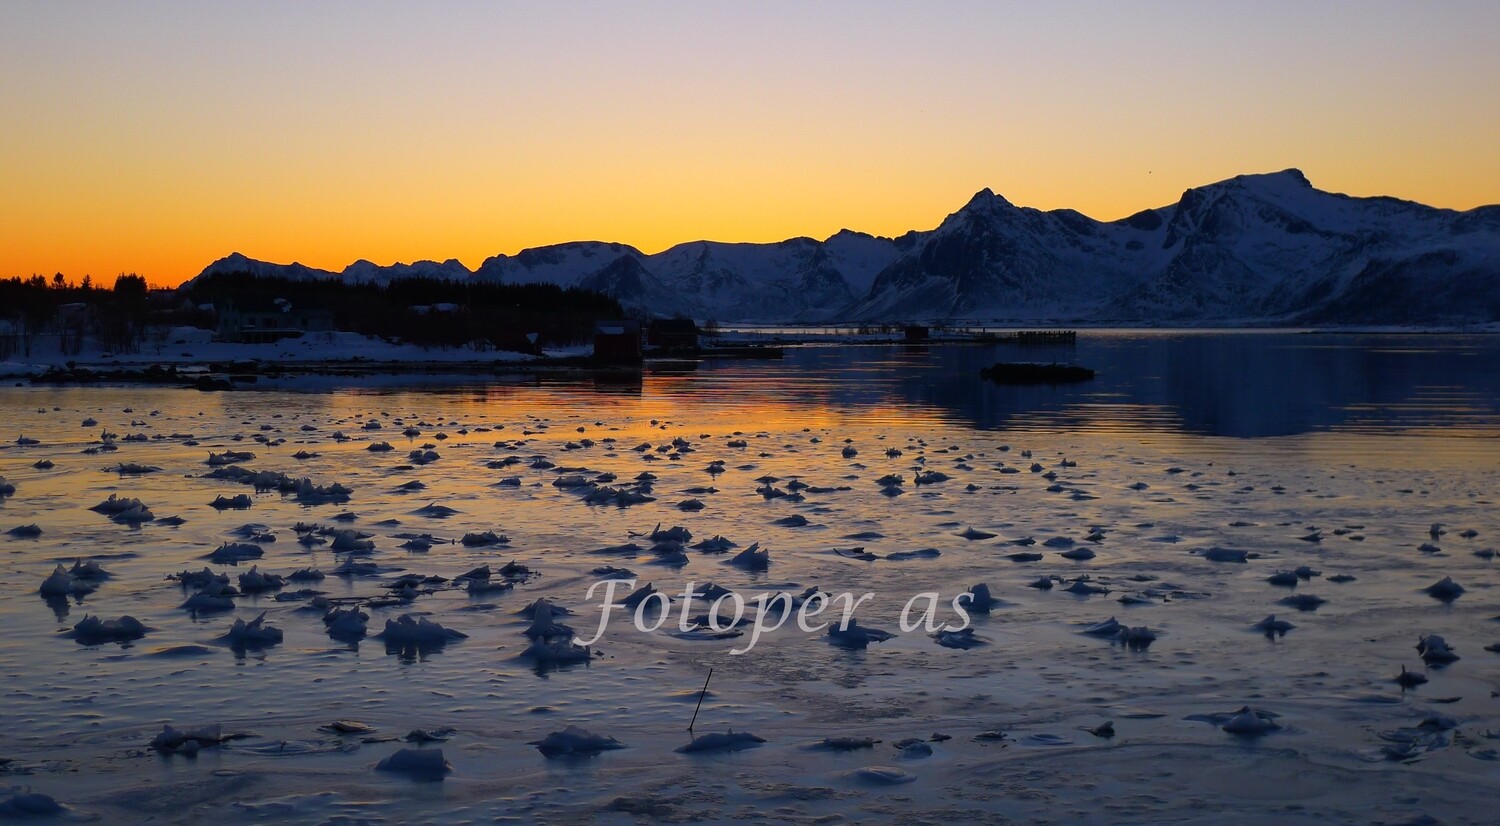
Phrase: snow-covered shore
(190, 347)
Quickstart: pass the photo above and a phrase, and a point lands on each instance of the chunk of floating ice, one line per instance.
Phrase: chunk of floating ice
(254, 581)
(575, 742)
(542, 605)
(351, 541)
(981, 602)
(214, 596)
(639, 595)
(544, 625)
(171, 739)
(252, 634)
(1434, 650)
(89, 571)
(676, 533)
(352, 567)
(731, 741)
(114, 504)
(882, 775)
(714, 545)
(1409, 679)
(1083, 587)
(198, 579)
(420, 764)
(346, 623)
(1105, 729)
(752, 558)
(1251, 722)
(913, 748)
(1217, 554)
(856, 635)
(855, 553)
(233, 553)
(1045, 739)
(1136, 637)
(347, 727)
(924, 553)
(1445, 589)
(487, 586)
(1284, 578)
(1107, 628)
(28, 804)
(556, 651)
(31, 531)
(63, 584)
(92, 630)
(1303, 602)
(1271, 626)
(842, 744)
(419, 631)
(958, 639)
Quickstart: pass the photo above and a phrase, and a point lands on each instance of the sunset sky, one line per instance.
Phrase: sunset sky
(157, 137)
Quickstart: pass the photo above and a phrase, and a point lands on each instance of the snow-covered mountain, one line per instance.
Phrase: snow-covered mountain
(238, 263)
(1252, 248)
(797, 279)
(360, 271)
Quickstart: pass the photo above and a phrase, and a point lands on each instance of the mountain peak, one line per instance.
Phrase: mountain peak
(985, 199)
(1285, 178)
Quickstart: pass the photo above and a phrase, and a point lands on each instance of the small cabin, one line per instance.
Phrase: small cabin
(673, 334)
(260, 320)
(918, 332)
(618, 342)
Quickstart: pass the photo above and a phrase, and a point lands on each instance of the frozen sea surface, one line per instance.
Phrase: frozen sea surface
(1339, 453)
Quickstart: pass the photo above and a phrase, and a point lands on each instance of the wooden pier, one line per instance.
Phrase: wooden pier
(1052, 337)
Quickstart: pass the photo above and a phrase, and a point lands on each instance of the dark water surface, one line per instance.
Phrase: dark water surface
(1338, 452)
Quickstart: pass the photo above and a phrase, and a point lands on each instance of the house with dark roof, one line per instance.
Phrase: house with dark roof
(618, 342)
(257, 320)
(672, 334)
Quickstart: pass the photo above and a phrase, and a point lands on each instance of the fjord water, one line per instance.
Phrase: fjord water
(1184, 442)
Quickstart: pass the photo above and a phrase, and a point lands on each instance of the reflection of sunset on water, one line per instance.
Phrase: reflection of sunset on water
(1154, 495)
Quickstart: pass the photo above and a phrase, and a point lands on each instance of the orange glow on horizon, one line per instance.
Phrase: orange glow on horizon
(155, 139)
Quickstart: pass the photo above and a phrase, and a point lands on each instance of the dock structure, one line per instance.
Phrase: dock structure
(1047, 337)
(1066, 337)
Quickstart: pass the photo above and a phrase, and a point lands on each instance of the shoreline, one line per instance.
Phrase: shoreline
(243, 366)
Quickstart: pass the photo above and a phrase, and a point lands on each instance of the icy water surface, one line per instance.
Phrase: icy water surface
(1334, 452)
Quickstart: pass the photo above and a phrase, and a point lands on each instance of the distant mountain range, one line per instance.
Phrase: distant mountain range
(1251, 249)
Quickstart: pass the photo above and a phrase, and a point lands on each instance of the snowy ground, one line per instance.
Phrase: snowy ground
(192, 346)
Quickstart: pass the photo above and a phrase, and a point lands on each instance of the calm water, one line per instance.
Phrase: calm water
(1185, 442)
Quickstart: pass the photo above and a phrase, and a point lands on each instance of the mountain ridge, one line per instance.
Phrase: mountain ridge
(1262, 247)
